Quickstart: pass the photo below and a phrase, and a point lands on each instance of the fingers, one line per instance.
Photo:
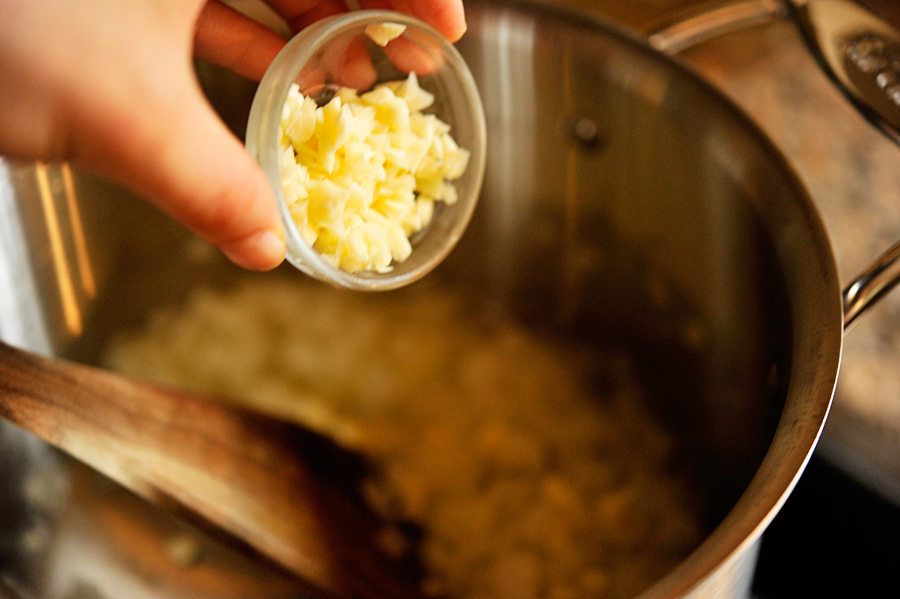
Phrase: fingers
(175, 151)
(110, 86)
(202, 175)
(414, 55)
(447, 16)
(299, 14)
(347, 63)
(229, 39)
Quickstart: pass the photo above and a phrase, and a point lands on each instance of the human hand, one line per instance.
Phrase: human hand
(110, 86)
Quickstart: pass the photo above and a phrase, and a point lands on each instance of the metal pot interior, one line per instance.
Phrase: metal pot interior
(627, 207)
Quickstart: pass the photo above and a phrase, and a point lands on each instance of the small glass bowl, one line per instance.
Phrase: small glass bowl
(318, 57)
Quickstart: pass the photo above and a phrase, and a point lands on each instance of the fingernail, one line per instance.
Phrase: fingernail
(462, 30)
(271, 247)
(264, 251)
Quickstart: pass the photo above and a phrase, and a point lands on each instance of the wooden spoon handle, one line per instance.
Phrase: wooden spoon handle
(231, 469)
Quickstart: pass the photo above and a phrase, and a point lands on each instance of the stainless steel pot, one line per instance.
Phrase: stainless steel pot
(627, 203)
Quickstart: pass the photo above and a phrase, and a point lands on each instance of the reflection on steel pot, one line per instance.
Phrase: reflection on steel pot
(626, 205)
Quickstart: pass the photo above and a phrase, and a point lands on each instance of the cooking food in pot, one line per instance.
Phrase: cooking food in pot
(525, 480)
(628, 206)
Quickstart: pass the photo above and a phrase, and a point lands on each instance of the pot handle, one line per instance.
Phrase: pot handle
(861, 54)
(858, 50)
(694, 27)
(870, 286)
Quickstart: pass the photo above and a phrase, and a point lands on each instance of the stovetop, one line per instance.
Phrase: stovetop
(834, 537)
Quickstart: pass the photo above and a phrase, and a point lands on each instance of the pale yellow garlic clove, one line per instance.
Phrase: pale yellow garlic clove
(361, 173)
(383, 33)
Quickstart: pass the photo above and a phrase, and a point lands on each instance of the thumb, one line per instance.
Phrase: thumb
(182, 158)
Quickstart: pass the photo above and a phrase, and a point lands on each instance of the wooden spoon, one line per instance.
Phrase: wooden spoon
(270, 485)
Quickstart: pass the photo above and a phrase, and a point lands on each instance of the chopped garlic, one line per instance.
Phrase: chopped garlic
(361, 173)
(382, 33)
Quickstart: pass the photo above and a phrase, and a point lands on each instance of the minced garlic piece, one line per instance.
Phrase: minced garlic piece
(382, 33)
(361, 173)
